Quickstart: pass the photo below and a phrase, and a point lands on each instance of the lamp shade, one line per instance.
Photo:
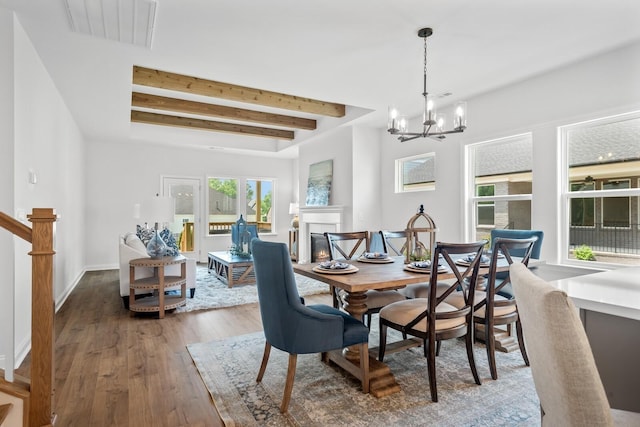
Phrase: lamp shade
(293, 209)
(160, 209)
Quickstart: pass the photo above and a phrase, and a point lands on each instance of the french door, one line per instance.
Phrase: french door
(186, 224)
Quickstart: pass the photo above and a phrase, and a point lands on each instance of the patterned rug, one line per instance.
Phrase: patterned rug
(211, 293)
(325, 396)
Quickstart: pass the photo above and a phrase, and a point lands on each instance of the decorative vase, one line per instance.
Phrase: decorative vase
(156, 248)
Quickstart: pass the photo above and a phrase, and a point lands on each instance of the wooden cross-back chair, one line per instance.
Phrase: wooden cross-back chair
(390, 246)
(349, 246)
(491, 308)
(432, 319)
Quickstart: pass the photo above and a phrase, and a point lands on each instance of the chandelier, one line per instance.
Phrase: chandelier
(433, 124)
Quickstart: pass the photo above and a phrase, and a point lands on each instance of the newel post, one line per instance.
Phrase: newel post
(42, 314)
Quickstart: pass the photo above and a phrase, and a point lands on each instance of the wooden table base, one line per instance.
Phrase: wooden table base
(381, 380)
(504, 342)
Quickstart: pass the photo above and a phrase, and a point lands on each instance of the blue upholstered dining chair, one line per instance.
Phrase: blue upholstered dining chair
(294, 328)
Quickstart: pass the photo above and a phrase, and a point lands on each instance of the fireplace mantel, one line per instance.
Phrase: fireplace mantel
(324, 218)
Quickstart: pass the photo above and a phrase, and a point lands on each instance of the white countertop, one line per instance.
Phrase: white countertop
(615, 292)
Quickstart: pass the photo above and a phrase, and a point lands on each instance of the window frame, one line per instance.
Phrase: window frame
(241, 201)
(566, 194)
(399, 174)
(472, 200)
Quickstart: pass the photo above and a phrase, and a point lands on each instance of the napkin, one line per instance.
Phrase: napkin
(375, 255)
(334, 265)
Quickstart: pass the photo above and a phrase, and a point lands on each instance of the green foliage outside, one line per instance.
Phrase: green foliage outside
(227, 187)
(584, 253)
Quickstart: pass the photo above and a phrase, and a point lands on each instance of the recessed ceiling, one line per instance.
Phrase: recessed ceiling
(364, 54)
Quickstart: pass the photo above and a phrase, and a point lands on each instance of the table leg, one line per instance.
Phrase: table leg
(229, 270)
(161, 292)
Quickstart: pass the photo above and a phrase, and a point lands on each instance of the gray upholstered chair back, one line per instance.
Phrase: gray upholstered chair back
(563, 368)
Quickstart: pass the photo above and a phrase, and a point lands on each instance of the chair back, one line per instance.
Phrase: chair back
(504, 248)
(392, 240)
(446, 254)
(281, 309)
(347, 245)
(563, 368)
(521, 234)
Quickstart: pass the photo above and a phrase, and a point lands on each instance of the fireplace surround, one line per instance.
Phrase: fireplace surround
(317, 219)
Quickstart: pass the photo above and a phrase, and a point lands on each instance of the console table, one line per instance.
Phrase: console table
(157, 284)
(232, 269)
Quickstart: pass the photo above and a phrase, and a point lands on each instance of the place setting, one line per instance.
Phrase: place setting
(423, 267)
(335, 267)
(375, 258)
(469, 258)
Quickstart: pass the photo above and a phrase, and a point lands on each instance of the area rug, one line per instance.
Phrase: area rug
(325, 396)
(211, 293)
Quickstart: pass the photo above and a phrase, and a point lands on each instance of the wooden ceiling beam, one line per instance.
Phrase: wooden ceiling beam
(167, 120)
(172, 81)
(144, 100)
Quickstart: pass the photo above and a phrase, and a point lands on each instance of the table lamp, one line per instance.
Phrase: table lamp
(160, 210)
(293, 210)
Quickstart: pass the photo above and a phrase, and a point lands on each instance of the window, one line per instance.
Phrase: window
(583, 208)
(499, 185)
(416, 173)
(223, 205)
(259, 198)
(486, 210)
(615, 210)
(600, 172)
(226, 202)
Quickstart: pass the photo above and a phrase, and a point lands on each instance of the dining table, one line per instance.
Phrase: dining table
(361, 276)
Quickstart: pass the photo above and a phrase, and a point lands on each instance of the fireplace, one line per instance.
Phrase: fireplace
(319, 247)
(317, 219)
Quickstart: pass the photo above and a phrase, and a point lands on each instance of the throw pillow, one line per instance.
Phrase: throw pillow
(145, 234)
(170, 241)
(134, 242)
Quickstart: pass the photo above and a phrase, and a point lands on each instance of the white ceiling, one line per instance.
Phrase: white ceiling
(363, 53)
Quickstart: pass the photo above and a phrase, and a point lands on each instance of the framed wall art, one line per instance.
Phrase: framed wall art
(319, 183)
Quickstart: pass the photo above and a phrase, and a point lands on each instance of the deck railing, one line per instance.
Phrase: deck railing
(607, 238)
(42, 311)
(225, 227)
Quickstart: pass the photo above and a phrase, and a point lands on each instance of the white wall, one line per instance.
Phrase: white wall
(597, 87)
(6, 187)
(121, 175)
(47, 141)
(366, 179)
(337, 146)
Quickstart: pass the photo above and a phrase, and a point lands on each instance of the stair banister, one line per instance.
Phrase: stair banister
(42, 310)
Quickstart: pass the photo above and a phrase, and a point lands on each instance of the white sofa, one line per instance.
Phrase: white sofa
(131, 247)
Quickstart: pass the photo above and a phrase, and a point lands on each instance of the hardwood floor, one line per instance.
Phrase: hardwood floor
(114, 369)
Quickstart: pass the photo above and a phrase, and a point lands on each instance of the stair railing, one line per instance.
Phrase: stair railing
(42, 310)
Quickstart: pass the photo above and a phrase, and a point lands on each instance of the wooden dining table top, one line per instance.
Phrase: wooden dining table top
(369, 275)
(379, 276)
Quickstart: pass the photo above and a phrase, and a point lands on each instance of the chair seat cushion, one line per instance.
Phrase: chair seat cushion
(355, 332)
(456, 299)
(403, 312)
